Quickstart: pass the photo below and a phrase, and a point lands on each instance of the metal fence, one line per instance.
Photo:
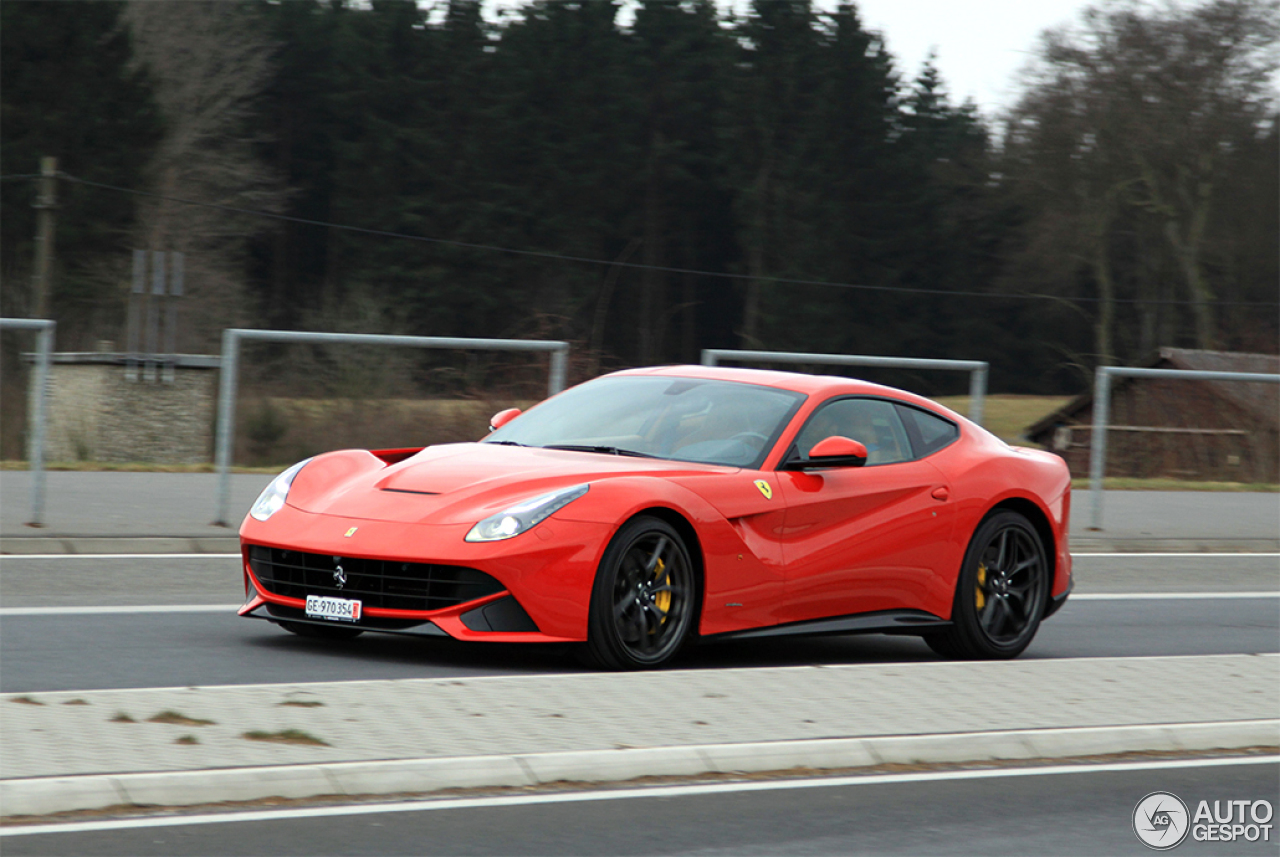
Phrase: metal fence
(977, 369)
(1102, 407)
(228, 379)
(45, 330)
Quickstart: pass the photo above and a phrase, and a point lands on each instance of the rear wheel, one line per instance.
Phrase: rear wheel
(644, 598)
(322, 632)
(1000, 595)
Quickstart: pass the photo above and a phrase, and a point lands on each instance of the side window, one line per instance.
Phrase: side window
(874, 422)
(929, 433)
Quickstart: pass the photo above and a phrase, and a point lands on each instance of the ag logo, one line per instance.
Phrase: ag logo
(764, 489)
(339, 576)
(349, 533)
(1161, 821)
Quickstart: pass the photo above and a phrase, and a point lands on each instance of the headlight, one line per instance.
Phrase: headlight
(272, 497)
(524, 516)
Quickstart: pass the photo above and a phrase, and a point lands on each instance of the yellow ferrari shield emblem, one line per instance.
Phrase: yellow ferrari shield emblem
(349, 533)
(764, 489)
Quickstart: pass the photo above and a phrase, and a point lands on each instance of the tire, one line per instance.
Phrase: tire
(1000, 594)
(321, 632)
(644, 600)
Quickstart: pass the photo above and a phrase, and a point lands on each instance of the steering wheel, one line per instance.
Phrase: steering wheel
(746, 436)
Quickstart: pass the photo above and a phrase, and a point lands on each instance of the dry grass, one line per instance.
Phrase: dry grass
(1008, 416)
(286, 736)
(1131, 483)
(175, 718)
(274, 432)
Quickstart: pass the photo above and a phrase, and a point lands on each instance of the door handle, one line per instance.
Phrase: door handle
(940, 493)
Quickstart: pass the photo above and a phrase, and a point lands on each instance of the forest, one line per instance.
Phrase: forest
(650, 178)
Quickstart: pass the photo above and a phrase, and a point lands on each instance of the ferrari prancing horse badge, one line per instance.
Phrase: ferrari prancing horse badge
(764, 489)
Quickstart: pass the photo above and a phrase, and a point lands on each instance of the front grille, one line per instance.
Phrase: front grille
(376, 582)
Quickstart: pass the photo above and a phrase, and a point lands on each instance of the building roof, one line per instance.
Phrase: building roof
(1261, 400)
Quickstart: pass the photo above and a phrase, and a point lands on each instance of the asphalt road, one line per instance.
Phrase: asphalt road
(60, 650)
(1084, 811)
(64, 581)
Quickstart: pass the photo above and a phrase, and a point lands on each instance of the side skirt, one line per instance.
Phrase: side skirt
(883, 622)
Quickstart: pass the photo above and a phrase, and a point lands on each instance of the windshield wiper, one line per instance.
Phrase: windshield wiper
(607, 450)
(504, 443)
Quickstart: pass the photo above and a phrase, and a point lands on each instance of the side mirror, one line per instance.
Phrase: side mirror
(834, 451)
(501, 418)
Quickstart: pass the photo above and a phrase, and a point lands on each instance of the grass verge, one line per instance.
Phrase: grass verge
(1127, 483)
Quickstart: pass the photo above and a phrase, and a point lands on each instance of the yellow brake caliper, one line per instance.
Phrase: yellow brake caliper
(979, 599)
(662, 600)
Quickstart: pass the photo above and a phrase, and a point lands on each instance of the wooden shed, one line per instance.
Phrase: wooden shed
(1203, 430)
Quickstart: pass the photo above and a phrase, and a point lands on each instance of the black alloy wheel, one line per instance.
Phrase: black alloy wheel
(322, 632)
(1001, 593)
(643, 603)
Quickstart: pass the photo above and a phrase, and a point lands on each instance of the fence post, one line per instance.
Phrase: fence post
(559, 370)
(44, 357)
(977, 393)
(1098, 443)
(226, 418)
(36, 464)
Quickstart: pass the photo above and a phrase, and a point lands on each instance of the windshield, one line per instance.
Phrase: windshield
(683, 419)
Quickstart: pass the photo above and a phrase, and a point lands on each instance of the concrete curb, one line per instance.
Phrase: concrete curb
(43, 545)
(43, 795)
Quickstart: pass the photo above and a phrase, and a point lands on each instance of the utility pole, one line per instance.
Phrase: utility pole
(46, 203)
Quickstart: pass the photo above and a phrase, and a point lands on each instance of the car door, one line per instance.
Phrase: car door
(863, 539)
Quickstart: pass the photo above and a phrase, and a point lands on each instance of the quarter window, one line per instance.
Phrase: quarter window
(929, 433)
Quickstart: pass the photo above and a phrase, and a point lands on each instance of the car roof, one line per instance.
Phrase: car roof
(820, 386)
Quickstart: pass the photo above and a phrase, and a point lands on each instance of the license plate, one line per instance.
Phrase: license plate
(337, 609)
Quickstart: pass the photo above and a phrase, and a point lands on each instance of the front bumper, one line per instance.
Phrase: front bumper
(544, 577)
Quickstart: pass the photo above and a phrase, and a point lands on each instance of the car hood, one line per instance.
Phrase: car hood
(453, 483)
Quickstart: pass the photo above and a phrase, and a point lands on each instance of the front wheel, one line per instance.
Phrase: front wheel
(644, 598)
(1000, 595)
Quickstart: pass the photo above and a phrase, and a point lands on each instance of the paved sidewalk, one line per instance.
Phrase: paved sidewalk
(91, 749)
(173, 513)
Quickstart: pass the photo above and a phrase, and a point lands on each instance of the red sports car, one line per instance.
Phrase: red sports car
(644, 509)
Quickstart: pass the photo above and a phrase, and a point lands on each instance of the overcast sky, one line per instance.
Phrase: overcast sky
(981, 45)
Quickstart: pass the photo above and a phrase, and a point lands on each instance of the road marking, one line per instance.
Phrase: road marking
(122, 609)
(129, 609)
(1173, 555)
(1076, 556)
(20, 556)
(692, 790)
(1170, 596)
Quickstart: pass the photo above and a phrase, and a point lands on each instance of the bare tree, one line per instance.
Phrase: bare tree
(1128, 128)
(209, 62)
